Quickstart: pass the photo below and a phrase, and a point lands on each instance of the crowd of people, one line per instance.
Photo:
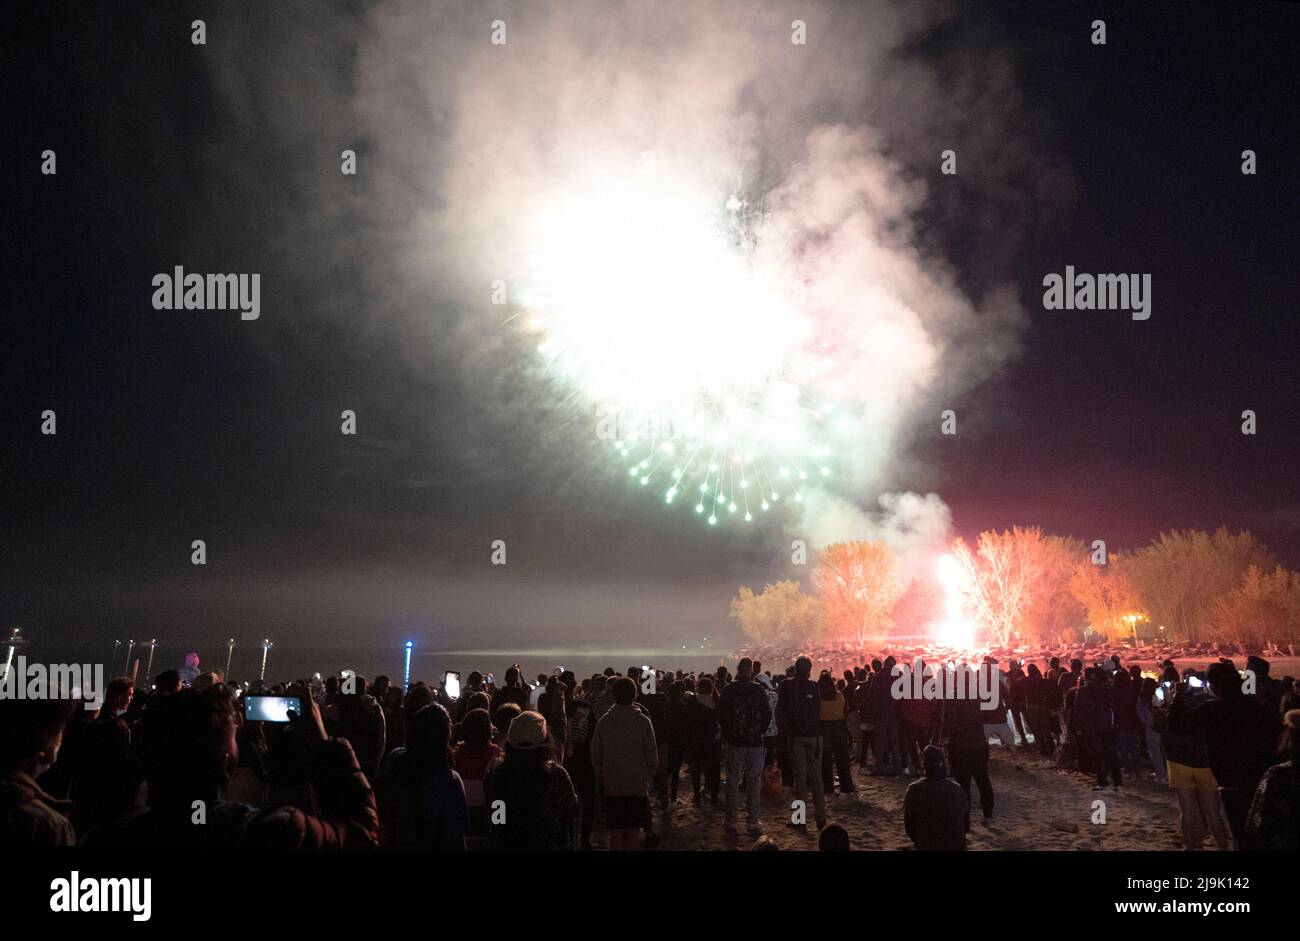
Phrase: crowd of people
(523, 766)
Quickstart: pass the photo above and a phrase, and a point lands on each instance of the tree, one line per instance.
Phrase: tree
(1262, 608)
(1001, 578)
(1182, 574)
(1054, 612)
(1106, 595)
(858, 583)
(920, 604)
(781, 615)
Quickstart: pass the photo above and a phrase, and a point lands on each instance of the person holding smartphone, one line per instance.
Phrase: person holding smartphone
(1151, 696)
(189, 748)
(1241, 735)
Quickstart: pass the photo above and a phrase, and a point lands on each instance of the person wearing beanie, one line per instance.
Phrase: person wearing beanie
(531, 802)
(936, 811)
(471, 759)
(1274, 819)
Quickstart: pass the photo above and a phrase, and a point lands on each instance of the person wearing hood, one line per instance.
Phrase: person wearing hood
(936, 811)
(29, 746)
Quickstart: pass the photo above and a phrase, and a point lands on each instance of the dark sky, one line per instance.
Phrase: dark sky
(177, 425)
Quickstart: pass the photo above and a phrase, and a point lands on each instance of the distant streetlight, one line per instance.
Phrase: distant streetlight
(266, 647)
(15, 640)
(1133, 623)
(148, 667)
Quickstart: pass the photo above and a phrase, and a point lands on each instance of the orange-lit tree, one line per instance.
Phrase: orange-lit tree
(1263, 608)
(1182, 574)
(858, 583)
(1002, 578)
(1054, 613)
(1107, 595)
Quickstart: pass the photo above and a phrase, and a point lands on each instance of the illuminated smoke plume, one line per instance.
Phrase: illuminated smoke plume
(827, 153)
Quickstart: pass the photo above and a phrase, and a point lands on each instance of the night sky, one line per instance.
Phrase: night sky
(180, 425)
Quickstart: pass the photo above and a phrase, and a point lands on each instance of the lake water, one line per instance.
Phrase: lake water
(289, 661)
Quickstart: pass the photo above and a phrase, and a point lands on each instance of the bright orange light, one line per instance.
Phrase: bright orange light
(955, 630)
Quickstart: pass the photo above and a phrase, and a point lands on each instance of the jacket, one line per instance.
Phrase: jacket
(31, 817)
(1240, 736)
(936, 814)
(624, 753)
(799, 707)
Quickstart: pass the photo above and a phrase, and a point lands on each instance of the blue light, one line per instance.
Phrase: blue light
(406, 678)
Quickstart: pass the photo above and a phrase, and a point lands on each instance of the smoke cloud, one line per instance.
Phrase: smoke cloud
(838, 140)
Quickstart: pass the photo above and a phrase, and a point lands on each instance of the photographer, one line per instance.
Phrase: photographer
(1240, 737)
(189, 744)
(1189, 775)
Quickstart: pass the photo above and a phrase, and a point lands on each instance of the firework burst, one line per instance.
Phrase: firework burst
(666, 310)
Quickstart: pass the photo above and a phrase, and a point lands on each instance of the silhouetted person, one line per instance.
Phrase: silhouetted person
(189, 747)
(1274, 819)
(31, 732)
(936, 811)
(190, 671)
(1240, 735)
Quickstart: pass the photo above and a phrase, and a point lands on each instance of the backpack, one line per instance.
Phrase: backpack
(748, 723)
(804, 708)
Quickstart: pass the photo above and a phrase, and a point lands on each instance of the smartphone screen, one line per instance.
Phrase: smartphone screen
(451, 683)
(271, 708)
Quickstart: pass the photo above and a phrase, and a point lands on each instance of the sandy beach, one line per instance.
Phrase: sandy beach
(1036, 805)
